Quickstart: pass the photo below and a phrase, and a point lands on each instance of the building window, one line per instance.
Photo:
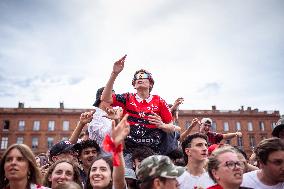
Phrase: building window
(226, 126)
(36, 126)
(228, 141)
(50, 141)
(238, 126)
(250, 127)
(65, 125)
(65, 138)
(34, 142)
(20, 140)
(4, 143)
(21, 126)
(273, 124)
(261, 126)
(251, 141)
(6, 125)
(214, 126)
(187, 124)
(240, 141)
(51, 125)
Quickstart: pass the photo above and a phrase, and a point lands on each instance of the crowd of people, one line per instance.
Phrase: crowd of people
(132, 141)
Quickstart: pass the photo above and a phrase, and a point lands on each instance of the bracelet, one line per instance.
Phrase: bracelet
(109, 146)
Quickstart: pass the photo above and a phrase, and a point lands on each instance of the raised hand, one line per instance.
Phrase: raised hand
(179, 101)
(194, 122)
(155, 119)
(86, 117)
(114, 114)
(120, 131)
(119, 65)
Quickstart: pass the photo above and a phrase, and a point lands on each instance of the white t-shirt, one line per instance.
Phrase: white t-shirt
(99, 127)
(251, 180)
(188, 181)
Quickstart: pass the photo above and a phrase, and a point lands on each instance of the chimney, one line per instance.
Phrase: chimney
(242, 108)
(249, 108)
(21, 105)
(214, 108)
(61, 105)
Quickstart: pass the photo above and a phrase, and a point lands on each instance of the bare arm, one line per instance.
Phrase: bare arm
(119, 133)
(167, 127)
(232, 135)
(188, 130)
(85, 118)
(117, 68)
(176, 104)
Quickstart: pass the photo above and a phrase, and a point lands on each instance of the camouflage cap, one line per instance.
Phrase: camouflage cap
(158, 166)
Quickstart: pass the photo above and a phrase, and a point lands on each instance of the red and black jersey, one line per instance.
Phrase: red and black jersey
(214, 138)
(141, 131)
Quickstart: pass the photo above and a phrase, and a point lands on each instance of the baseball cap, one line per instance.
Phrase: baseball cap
(278, 127)
(98, 96)
(206, 120)
(129, 173)
(60, 147)
(158, 166)
(211, 148)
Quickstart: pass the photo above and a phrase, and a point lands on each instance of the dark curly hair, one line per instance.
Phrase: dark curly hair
(146, 72)
(79, 147)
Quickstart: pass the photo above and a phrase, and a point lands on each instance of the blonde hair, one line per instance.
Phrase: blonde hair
(213, 161)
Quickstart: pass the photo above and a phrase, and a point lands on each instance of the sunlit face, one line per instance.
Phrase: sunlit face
(87, 156)
(205, 127)
(230, 170)
(198, 149)
(16, 166)
(142, 81)
(62, 173)
(100, 174)
(274, 167)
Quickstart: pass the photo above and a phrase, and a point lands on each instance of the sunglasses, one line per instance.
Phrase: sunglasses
(142, 76)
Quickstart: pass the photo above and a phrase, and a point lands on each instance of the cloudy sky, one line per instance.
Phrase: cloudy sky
(228, 53)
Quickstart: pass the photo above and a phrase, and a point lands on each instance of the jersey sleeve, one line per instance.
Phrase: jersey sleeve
(165, 113)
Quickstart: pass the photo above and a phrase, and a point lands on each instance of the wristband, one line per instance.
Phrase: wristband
(109, 146)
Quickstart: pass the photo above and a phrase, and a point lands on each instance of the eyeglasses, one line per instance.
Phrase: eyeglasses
(142, 76)
(233, 164)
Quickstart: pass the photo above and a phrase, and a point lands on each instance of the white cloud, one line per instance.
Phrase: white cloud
(208, 52)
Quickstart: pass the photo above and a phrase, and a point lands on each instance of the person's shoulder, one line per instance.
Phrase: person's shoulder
(250, 179)
(183, 177)
(250, 174)
(207, 179)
